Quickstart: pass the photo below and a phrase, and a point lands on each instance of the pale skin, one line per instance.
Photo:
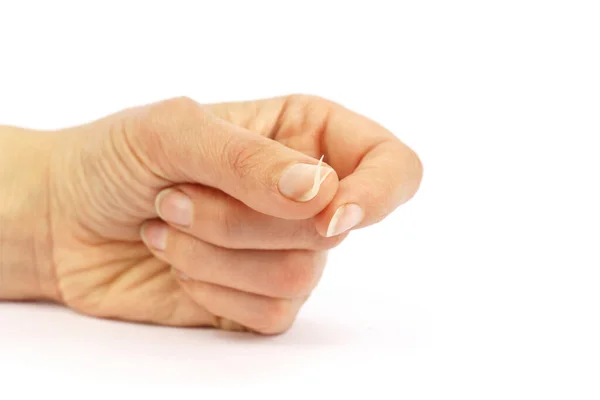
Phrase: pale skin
(182, 214)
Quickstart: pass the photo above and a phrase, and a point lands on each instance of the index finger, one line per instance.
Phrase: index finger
(378, 172)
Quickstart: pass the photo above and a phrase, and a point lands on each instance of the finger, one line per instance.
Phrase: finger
(387, 174)
(181, 141)
(217, 218)
(378, 171)
(258, 313)
(283, 274)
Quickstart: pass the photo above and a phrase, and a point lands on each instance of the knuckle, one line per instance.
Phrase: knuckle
(417, 166)
(275, 317)
(298, 274)
(246, 158)
(176, 108)
(412, 174)
(229, 224)
(310, 100)
(181, 103)
(159, 117)
(306, 113)
(399, 182)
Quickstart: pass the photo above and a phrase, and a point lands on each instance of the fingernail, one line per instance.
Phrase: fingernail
(345, 218)
(155, 236)
(175, 207)
(301, 182)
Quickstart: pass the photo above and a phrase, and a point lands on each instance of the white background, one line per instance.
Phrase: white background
(485, 286)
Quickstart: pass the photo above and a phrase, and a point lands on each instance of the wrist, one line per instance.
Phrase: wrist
(26, 267)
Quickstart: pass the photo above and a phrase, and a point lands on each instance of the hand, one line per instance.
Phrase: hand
(223, 194)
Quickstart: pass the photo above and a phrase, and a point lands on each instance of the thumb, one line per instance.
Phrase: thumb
(182, 142)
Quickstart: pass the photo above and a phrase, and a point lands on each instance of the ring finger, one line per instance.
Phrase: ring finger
(285, 274)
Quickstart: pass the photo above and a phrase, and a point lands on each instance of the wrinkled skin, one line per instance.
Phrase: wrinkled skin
(251, 257)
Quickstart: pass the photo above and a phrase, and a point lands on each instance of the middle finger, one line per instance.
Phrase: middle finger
(286, 274)
(214, 217)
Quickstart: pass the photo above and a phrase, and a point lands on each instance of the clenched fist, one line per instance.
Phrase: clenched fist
(185, 214)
